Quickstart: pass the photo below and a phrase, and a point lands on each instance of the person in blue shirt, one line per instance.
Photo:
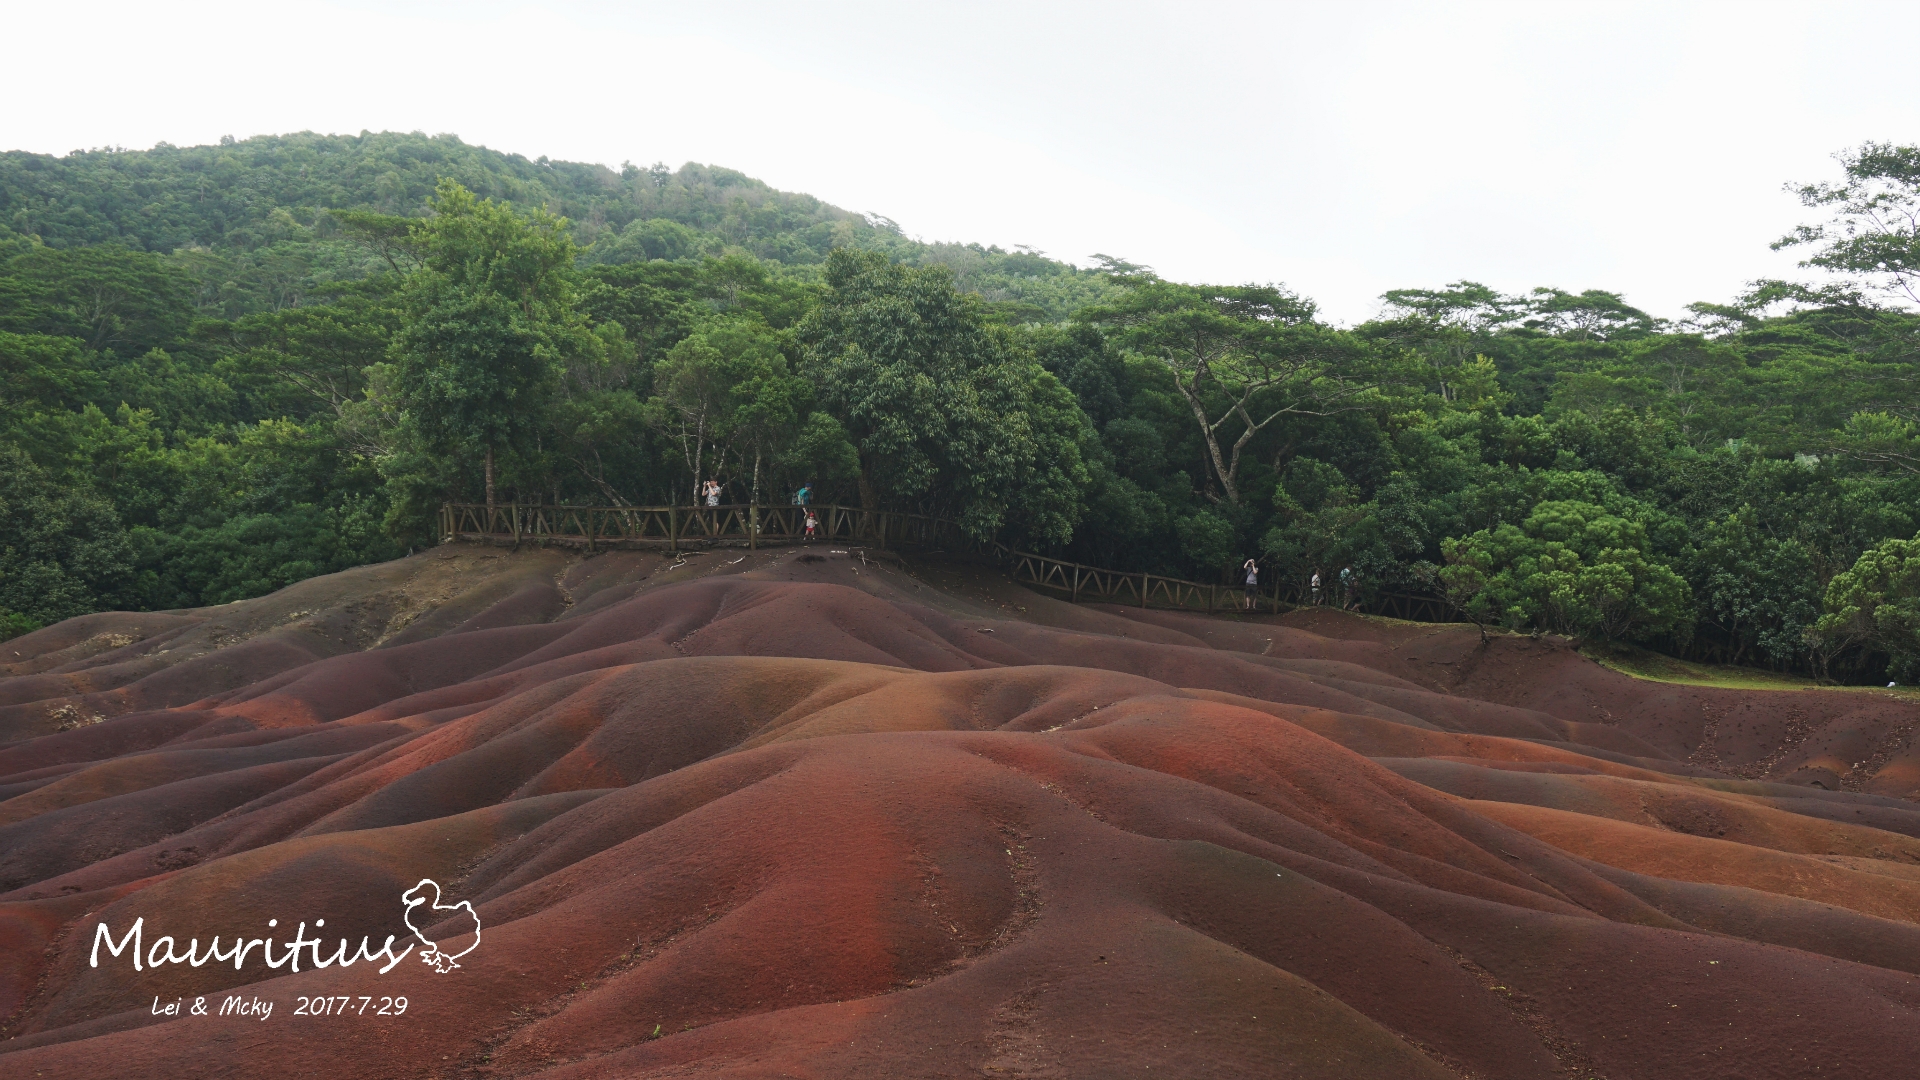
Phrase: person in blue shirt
(804, 497)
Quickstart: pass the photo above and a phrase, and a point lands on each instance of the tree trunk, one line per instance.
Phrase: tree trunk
(868, 501)
(489, 482)
(699, 450)
(753, 503)
(1217, 459)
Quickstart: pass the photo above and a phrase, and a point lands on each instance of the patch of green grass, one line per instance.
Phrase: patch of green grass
(1655, 667)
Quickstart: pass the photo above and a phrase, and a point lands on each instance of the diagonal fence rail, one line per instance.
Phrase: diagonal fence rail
(675, 528)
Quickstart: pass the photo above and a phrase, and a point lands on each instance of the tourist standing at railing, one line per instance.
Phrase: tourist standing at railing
(1251, 576)
(1316, 588)
(812, 524)
(713, 492)
(803, 497)
(1346, 587)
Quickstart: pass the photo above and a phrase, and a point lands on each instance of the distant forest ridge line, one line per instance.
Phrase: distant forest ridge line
(272, 195)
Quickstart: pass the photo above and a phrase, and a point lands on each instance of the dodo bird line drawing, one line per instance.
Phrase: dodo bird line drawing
(415, 898)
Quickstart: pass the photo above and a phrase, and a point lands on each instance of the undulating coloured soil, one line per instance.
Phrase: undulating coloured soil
(835, 813)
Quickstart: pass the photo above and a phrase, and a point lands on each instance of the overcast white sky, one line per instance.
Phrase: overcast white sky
(1343, 149)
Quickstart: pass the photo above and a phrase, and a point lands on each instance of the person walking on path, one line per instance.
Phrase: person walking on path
(1251, 576)
(1316, 588)
(1346, 587)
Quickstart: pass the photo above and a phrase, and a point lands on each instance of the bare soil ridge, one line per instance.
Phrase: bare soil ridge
(832, 812)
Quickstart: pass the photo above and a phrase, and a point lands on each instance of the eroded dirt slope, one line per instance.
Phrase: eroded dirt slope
(829, 813)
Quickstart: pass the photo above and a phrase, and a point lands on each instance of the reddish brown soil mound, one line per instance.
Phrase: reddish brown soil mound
(840, 815)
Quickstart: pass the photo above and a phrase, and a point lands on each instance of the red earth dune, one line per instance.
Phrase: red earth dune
(840, 814)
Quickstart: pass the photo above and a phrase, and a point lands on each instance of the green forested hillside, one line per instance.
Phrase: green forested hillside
(250, 220)
(226, 368)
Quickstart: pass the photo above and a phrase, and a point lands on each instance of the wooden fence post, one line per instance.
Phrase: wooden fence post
(673, 535)
(753, 526)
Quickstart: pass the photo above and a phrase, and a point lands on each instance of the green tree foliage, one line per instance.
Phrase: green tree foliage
(1570, 567)
(1875, 231)
(1760, 591)
(232, 428)
(1881, 438)
(941, 405)
(226, 368)
(109, 297)
(1317, 514)
(1876, 603)
(723, 387)
(488, 324)
(38, 368)
(267, 220)
(63, 552)
(1241, 358)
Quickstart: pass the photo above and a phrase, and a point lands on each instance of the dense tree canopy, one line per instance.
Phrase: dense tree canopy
(1240, 357)
(941, 406)
(226, 368)
(1572, 567)
(1877, 601)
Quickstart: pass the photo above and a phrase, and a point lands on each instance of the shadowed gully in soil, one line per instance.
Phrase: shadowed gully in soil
(843, 814)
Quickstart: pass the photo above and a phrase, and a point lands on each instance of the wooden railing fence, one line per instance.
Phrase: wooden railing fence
(1091, 583)
(678, 527)
(675, 527)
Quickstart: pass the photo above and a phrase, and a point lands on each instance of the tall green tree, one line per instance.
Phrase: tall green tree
(1875, 229)
(108, 296)
(1241, 358)
(883, 351)
(722, 386)
(939, 404)
(1876, 603)
(489, 320)
(1571, 567)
